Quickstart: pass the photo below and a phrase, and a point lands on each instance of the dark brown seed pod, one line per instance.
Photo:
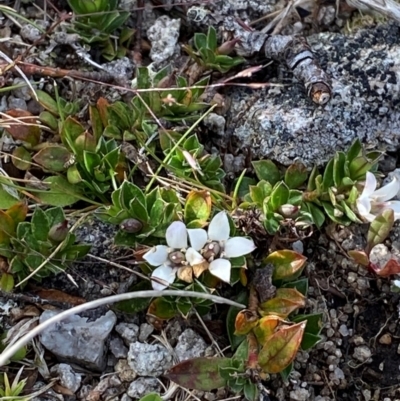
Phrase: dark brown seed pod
(131, 226)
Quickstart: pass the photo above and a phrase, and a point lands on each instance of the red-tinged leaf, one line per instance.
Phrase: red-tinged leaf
(281, 348)
(390, 268)
(53, 158)
(102, 107)
(380, 228)
(245, 321)
(266, 327)
(252, 359)
(162, 309)
(199, 373)
(286, 301)
(26, 129)
(287, 264)
(18, 213)
(359, 257)
(7, 228)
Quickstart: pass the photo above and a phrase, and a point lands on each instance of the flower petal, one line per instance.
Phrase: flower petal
(176, 235)
(164, 275)
(219, 229)
(370, 185)
(221, 268)
(197, 237)
(238, 246)
(387, 192)
(193, 257)
(363, 206)
(157, 255)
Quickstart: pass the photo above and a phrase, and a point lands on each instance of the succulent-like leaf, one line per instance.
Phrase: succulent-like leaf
(288, 264)
(53, 158)
(197, 207)
(281, 348)
(266, 327)
(296, 175)
(199, 373)
(286, 301)
(361, 257)
(380, 228)
(245, 321)
(279, 196)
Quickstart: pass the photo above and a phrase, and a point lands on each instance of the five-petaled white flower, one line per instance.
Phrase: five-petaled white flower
(374, 201)
(208, 251)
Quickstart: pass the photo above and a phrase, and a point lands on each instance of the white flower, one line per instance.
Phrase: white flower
(172, 258)
(208, 251)
(372, 202)
(216, 246)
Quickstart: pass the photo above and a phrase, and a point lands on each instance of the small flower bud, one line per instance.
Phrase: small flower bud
(227, 47)
(59, 231)
(211, 250)
(177, 257)
(131, 226)
(288, 210)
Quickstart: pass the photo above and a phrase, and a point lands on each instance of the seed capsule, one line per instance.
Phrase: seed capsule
(131, 226)
(59, 231)
(176, 257)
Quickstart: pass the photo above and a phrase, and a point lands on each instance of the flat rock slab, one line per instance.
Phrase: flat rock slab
(76, 340)
(282, 124)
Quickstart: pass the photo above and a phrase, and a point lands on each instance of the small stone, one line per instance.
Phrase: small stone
(338, 374)
(298, 246)
(16, 103)
(163, 36)
(300, 394)
(29, 32)
(128, 331)
(357, 340)
(145, 331)
(125, 397)
(386, 339)
(124, 371)
(149, 359)
(343, 330)
(367, 394)
(362, 353)
(362, 284)
(190, 345)
(330, 332)
(118, 348)
(68, 378)
(76, 340)
(351, 277)
(143, 386)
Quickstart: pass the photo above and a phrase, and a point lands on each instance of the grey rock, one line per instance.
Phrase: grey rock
(68, 378)
(149, 359)
(343, 330)
(284, 125)
(125, 397)
(163, 36)
(24, 92)
(76, 340)
(16, 103)
(29, 32)
(145, 331)
(128, 331)
(124, 371)
(190, 345)
(143, 386)
(300, 394)
(362, 353)
(118, 348)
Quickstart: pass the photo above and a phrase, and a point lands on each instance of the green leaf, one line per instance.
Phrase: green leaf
(266, 170)
(310, 340)
(317, 214)
(200, 41)
(380, 228)
(279, 196)
(301, 285)
(354, 150)
(327, 180)
(151, 397)
(7, 282)
(212, 38)
(61, 192)
(335, 214)
(199, 373)
(296, 175)
(7, 200)
(21, 158)
(314, 322)
(285, 373)
(311, 180)
(47, 102)
(250, 391)
(198, 206)
(40, 225)
(53, 158)
(339, 168)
